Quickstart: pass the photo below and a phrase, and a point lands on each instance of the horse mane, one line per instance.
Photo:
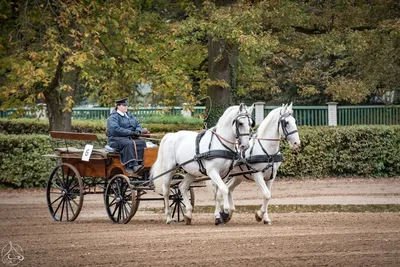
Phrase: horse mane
(271, 117)
(226, 113)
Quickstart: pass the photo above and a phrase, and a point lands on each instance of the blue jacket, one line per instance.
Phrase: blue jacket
(122, 126)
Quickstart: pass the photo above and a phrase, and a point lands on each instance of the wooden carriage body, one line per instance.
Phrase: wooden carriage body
(101, 164)
(102, 173)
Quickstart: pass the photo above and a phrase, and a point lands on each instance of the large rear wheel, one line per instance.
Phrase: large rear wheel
(65, 193)
(120, 199)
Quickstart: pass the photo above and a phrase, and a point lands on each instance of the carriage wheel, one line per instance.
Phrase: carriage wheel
(177, 200)
(65, 193)
(120, 199)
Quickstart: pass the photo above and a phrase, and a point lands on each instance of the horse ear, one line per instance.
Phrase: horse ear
(250, 109)
(290, 106)
(241, 107)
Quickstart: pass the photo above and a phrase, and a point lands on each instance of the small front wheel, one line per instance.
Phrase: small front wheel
(120, 199)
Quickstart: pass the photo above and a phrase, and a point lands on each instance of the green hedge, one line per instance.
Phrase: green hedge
(31, 126)
(325, 151)
(345, 151)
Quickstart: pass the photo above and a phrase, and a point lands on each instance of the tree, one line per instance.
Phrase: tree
(54, 52)
(52, 49)
(238, 35)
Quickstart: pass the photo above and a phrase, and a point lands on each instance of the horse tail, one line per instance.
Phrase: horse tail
(162, 163)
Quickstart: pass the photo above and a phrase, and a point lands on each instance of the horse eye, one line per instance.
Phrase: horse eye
(240, 123)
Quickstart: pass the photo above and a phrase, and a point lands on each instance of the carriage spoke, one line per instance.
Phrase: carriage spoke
(174, 203)
(59, 204)
(59, 179)
(116, 207)
(56, 185)
(126, 211)
(67, 181)
(62, 209)
(56, 200)
(70, 205)
(128, 197)
(75, 186)
(119, 212)
(114, 190)
(113, 202)
(66, 207)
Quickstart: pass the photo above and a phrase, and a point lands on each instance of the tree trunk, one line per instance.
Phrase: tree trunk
(56, 99)
(222, 65)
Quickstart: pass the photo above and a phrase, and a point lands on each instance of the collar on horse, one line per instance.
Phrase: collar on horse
(265, 158)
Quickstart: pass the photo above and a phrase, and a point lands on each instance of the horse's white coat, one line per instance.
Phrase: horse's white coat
(268, 129)
(177, 148)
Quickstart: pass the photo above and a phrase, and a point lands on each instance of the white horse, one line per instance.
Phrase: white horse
(263, 158)
(212, 153)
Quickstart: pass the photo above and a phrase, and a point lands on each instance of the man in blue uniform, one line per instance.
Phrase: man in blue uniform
(123, 131)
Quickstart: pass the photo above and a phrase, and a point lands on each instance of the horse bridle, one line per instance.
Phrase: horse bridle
(282, 121)
(236, 120)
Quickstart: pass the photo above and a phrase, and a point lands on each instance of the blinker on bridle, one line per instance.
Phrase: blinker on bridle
(236, 120)
(284, 125)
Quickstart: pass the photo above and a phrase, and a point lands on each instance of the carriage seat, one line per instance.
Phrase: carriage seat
(109, 149)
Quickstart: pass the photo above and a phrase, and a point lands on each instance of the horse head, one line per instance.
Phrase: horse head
(287, 127)
(239, 121)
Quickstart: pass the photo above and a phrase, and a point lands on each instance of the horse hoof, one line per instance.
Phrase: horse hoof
(218, 221)
(171, 222)
(188, 220)
(258, 218)
(268, 222)
(225, 217)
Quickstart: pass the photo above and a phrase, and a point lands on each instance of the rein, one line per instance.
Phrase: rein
(232, 143)
(269, 139)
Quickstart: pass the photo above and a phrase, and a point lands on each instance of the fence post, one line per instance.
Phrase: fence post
(186, 112)
(259, 112)
(41, 112)
(332, 113)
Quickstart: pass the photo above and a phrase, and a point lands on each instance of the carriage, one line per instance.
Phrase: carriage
(99, 171)
(212, 153)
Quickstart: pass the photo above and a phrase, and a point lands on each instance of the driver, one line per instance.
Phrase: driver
(123, 131)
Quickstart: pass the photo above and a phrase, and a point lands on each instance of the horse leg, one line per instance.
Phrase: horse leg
(165, 192)
(223, 189)
(265, 202)
(235, 181)
(218, 204)
(232, 183)
(184, 188)
(269, 185)
(259, 179)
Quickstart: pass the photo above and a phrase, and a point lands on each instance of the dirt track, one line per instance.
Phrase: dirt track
(294, 239)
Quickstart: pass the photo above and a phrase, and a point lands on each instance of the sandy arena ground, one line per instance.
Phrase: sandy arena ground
(294, 239)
